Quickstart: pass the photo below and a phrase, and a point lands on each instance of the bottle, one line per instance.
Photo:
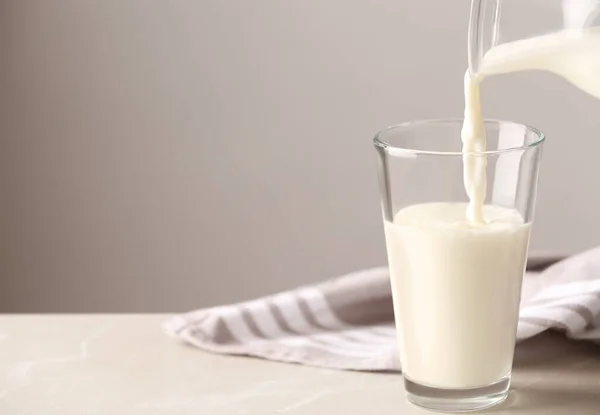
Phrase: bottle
(559, 36)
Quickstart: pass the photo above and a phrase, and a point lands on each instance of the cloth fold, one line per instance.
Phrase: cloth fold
(348, 322)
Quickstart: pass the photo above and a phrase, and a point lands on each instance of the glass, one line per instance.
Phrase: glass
(496, 22)
(456, 287)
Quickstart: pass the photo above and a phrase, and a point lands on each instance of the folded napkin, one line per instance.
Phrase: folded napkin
(348, 322)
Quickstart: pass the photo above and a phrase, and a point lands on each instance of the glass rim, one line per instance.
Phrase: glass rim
(379, 142)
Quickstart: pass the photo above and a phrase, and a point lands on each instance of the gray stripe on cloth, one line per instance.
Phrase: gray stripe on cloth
(308, 314)
(248, 318)
(280, 318)
(586, 314)
(546, 323)
(214, 328)
(361, 298)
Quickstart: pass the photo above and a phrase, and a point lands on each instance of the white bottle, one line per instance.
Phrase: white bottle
(558, 36)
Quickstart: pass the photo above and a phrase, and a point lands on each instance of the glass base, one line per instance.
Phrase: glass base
(457, 400)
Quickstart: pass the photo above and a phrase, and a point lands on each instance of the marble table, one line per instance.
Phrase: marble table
(125, 365)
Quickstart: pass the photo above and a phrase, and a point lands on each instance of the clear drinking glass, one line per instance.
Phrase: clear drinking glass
(496, 22)
(456, 287)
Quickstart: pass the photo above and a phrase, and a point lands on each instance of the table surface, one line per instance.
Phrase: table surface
(125, 365)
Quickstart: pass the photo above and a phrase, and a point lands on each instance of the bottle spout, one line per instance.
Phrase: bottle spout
(483, 31)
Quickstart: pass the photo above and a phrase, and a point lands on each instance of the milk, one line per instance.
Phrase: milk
(473, 139)
(456, 292)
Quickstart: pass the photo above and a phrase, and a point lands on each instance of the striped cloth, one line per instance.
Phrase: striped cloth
(348, 323)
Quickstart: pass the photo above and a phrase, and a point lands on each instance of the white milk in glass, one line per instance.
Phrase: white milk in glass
(456, 269)
(456, 289)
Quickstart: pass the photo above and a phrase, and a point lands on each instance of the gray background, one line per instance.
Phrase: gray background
(165, 155)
